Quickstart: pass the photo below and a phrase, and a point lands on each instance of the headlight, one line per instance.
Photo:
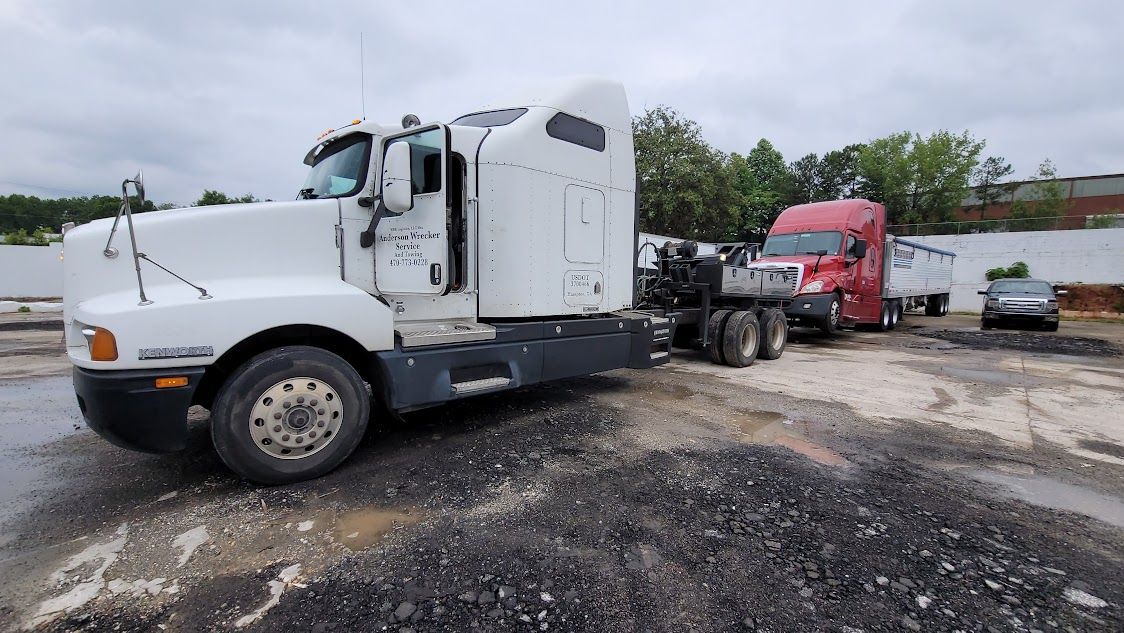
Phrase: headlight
(1052, 304)
(812, 286)
(993, 303)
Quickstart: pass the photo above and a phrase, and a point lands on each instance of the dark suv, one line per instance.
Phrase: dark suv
(1027, 301)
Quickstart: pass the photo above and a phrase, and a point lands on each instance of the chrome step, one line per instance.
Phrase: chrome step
(655, 355)
(422, 333)
(483, 384)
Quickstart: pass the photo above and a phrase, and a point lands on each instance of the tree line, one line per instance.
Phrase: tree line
(27, 219)
(689, 189)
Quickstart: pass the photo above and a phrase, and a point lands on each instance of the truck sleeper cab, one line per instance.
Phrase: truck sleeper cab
(420, 264)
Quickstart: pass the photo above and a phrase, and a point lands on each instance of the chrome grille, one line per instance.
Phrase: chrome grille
(1021, 305)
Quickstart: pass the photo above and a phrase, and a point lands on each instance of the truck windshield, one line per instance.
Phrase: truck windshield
(1020, 287)
(803, 243)
(340, 169)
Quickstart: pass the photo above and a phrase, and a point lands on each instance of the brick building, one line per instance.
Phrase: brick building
(1088, 196)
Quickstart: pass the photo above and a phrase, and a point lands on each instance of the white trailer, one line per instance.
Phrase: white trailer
(917, 275)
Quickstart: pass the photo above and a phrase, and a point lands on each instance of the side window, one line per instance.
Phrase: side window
(425, 159)
(850, 252)
(577, 131)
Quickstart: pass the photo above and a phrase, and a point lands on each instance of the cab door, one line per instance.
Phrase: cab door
(412, 248)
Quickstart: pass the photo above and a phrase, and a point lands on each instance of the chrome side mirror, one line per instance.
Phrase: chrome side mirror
(397, 178)
(981, 292)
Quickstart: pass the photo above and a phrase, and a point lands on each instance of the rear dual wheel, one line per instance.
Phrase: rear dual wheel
(774, 334)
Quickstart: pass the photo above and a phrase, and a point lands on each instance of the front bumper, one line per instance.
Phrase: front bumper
(810, 307)
(126, 408)
(1037, 317)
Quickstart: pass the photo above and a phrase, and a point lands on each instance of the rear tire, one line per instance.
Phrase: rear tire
(884, 319)
(714, 329)
(261, 439)
(741, 339)
(895, 313)
(933, 305)
(774, 334)
(830, 324)
(944, 305)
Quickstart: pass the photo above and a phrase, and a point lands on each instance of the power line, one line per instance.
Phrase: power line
(46, 188)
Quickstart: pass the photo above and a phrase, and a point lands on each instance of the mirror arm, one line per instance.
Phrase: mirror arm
(367, 238)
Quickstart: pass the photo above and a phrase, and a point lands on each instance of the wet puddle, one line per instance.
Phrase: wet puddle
(995, 377)
(772, 428)
(360, 529)
(1043, 491)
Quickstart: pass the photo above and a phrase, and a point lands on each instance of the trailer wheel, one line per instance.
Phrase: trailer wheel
(714, 329)
(933, 305)
(741, 339)
(944, 305)
(774, 334)
(289, 414)
(885, 321)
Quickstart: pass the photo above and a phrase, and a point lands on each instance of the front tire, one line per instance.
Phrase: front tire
(1050, 326)
(830, 323)
(289, 414)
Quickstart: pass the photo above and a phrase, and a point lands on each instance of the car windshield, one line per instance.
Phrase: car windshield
(1022, 287)
(803, 243)
(340, 169)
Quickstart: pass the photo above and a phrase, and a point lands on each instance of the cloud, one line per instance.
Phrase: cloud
(231, 95)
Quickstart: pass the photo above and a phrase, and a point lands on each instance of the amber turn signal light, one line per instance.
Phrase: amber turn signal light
(103, 346)
(175, 381)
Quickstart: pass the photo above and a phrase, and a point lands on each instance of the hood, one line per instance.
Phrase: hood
(200, 244)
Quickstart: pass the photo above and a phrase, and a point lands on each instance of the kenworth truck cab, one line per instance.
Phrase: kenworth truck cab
(419, 264)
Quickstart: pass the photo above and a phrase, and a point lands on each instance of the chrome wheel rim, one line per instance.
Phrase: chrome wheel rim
(885, 317)
(749, 341)
(296, 418)
(776, 334)
(833, 314)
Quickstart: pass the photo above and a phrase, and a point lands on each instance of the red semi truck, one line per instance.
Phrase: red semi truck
(849, 272)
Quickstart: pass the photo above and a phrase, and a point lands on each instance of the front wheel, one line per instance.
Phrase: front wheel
(289, 414)
(1050, 326)
(830, 323)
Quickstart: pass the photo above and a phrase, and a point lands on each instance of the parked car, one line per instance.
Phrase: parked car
(1024, 301)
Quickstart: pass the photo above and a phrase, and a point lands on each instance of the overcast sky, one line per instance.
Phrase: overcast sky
(230, 95)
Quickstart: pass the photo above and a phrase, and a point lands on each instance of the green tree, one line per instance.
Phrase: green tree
(987, 178)
(1047, 200)
(805, 178)
(764, 186)
(919, 179)
(212, 197)
(686, 187)
(839, 173)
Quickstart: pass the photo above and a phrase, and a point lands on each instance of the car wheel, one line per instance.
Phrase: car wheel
(741, 338)
(774, 334)
(830, 324)
(714, 329)
(289, 414)
(1050, 326)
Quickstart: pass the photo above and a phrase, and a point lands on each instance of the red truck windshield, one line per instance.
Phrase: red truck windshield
(803, 243)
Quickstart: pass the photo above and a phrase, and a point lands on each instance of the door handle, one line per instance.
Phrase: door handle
(584, 220)
(435, 274)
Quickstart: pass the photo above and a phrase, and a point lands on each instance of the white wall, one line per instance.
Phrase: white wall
(1089, 256)
(31, 271)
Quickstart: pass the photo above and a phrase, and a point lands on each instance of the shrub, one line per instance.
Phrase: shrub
(23, 309)
(1017, 270)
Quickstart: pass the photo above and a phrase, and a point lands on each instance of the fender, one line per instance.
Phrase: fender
(241, 307)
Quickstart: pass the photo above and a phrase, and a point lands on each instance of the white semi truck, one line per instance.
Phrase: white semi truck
(420, 264)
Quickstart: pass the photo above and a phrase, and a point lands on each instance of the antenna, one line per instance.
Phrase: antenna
(362, 79)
